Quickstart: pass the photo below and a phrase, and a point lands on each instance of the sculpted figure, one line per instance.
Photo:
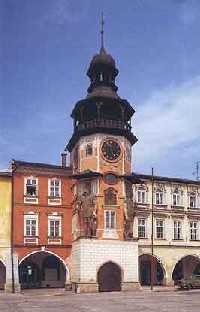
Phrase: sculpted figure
(87, 213)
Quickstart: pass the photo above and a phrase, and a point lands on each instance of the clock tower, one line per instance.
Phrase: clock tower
(104, 251)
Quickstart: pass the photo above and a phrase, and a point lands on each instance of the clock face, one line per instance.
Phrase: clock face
(111, 150)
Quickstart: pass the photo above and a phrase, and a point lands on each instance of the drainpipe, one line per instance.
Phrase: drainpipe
(12, 229)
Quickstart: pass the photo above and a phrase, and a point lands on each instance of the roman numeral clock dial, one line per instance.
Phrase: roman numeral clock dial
(111, 150)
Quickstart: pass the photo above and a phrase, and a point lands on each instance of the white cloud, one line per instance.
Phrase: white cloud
(66, 11)
(167, 121)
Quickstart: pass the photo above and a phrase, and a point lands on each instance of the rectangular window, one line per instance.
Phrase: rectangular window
(160, 229)
(110, 219)
(30, 225)
(159, 198)
(31, 187)
(141, 228)
(55, 187)
(176, 199)
(141, 196)
(54, 228)
(192, 201)
(88, 150)
(194, 230)
(177, 230)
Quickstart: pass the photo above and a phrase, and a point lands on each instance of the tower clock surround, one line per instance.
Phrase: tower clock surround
(111, 150)
(102, 221)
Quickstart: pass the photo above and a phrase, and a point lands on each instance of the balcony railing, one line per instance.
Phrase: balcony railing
(103, 123)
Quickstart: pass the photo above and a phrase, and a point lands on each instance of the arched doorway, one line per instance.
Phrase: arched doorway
(42, 269)
(109, 277)
(146, 262)
(2, 275)
(185, 267)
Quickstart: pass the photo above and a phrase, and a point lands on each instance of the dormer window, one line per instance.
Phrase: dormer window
(31, 187)
(88, 150)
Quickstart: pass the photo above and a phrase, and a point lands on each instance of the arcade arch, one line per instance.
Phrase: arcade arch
(185, 267)
(146, 262)
(2, 275)
(42, 269)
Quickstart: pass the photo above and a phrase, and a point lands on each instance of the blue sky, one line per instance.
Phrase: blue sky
(45, 50)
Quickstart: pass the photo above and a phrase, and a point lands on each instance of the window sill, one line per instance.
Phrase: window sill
(54, 240)
(54, 200)
(107, 207)
(28, 199)
(193, 208)
(177, 240)
(31, 236)
(143, 204)
(194, 240)
(177, 207)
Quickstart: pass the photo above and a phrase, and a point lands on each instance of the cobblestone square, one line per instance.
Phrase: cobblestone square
(139, 301)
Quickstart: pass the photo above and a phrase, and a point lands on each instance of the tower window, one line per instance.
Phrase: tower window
(110, 220)
(110, 197)
(89, 150)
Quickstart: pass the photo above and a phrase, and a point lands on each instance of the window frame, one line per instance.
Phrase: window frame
(194, 195)
(89, 147)
(159, 197)
(32, 178)
(143, 227)
(54, 186)
(54, 219)
(110, 197)
(30, 217)
(177, 230)
(194, 230)
(160, 227)
(109, 220)
(143, 197)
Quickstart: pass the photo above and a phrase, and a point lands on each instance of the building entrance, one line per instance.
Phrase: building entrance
(146, 262)
(2, 275)
(186, 267)
(40, 270)
(109, 277)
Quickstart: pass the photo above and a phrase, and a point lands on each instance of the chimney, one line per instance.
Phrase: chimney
(64, 160)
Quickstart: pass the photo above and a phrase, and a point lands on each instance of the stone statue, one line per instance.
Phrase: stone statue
(128, 219)
(87, 213)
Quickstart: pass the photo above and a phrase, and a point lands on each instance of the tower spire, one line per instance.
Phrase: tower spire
(102, 32)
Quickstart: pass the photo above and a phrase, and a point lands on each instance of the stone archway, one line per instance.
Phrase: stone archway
(2, 275)
(146, 262)
(185, 267)
(42, 269)
(109, 277)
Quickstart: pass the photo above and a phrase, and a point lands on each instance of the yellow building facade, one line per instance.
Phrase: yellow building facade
(5, 230)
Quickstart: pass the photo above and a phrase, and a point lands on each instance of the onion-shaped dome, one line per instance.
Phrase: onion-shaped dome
(103, 59)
